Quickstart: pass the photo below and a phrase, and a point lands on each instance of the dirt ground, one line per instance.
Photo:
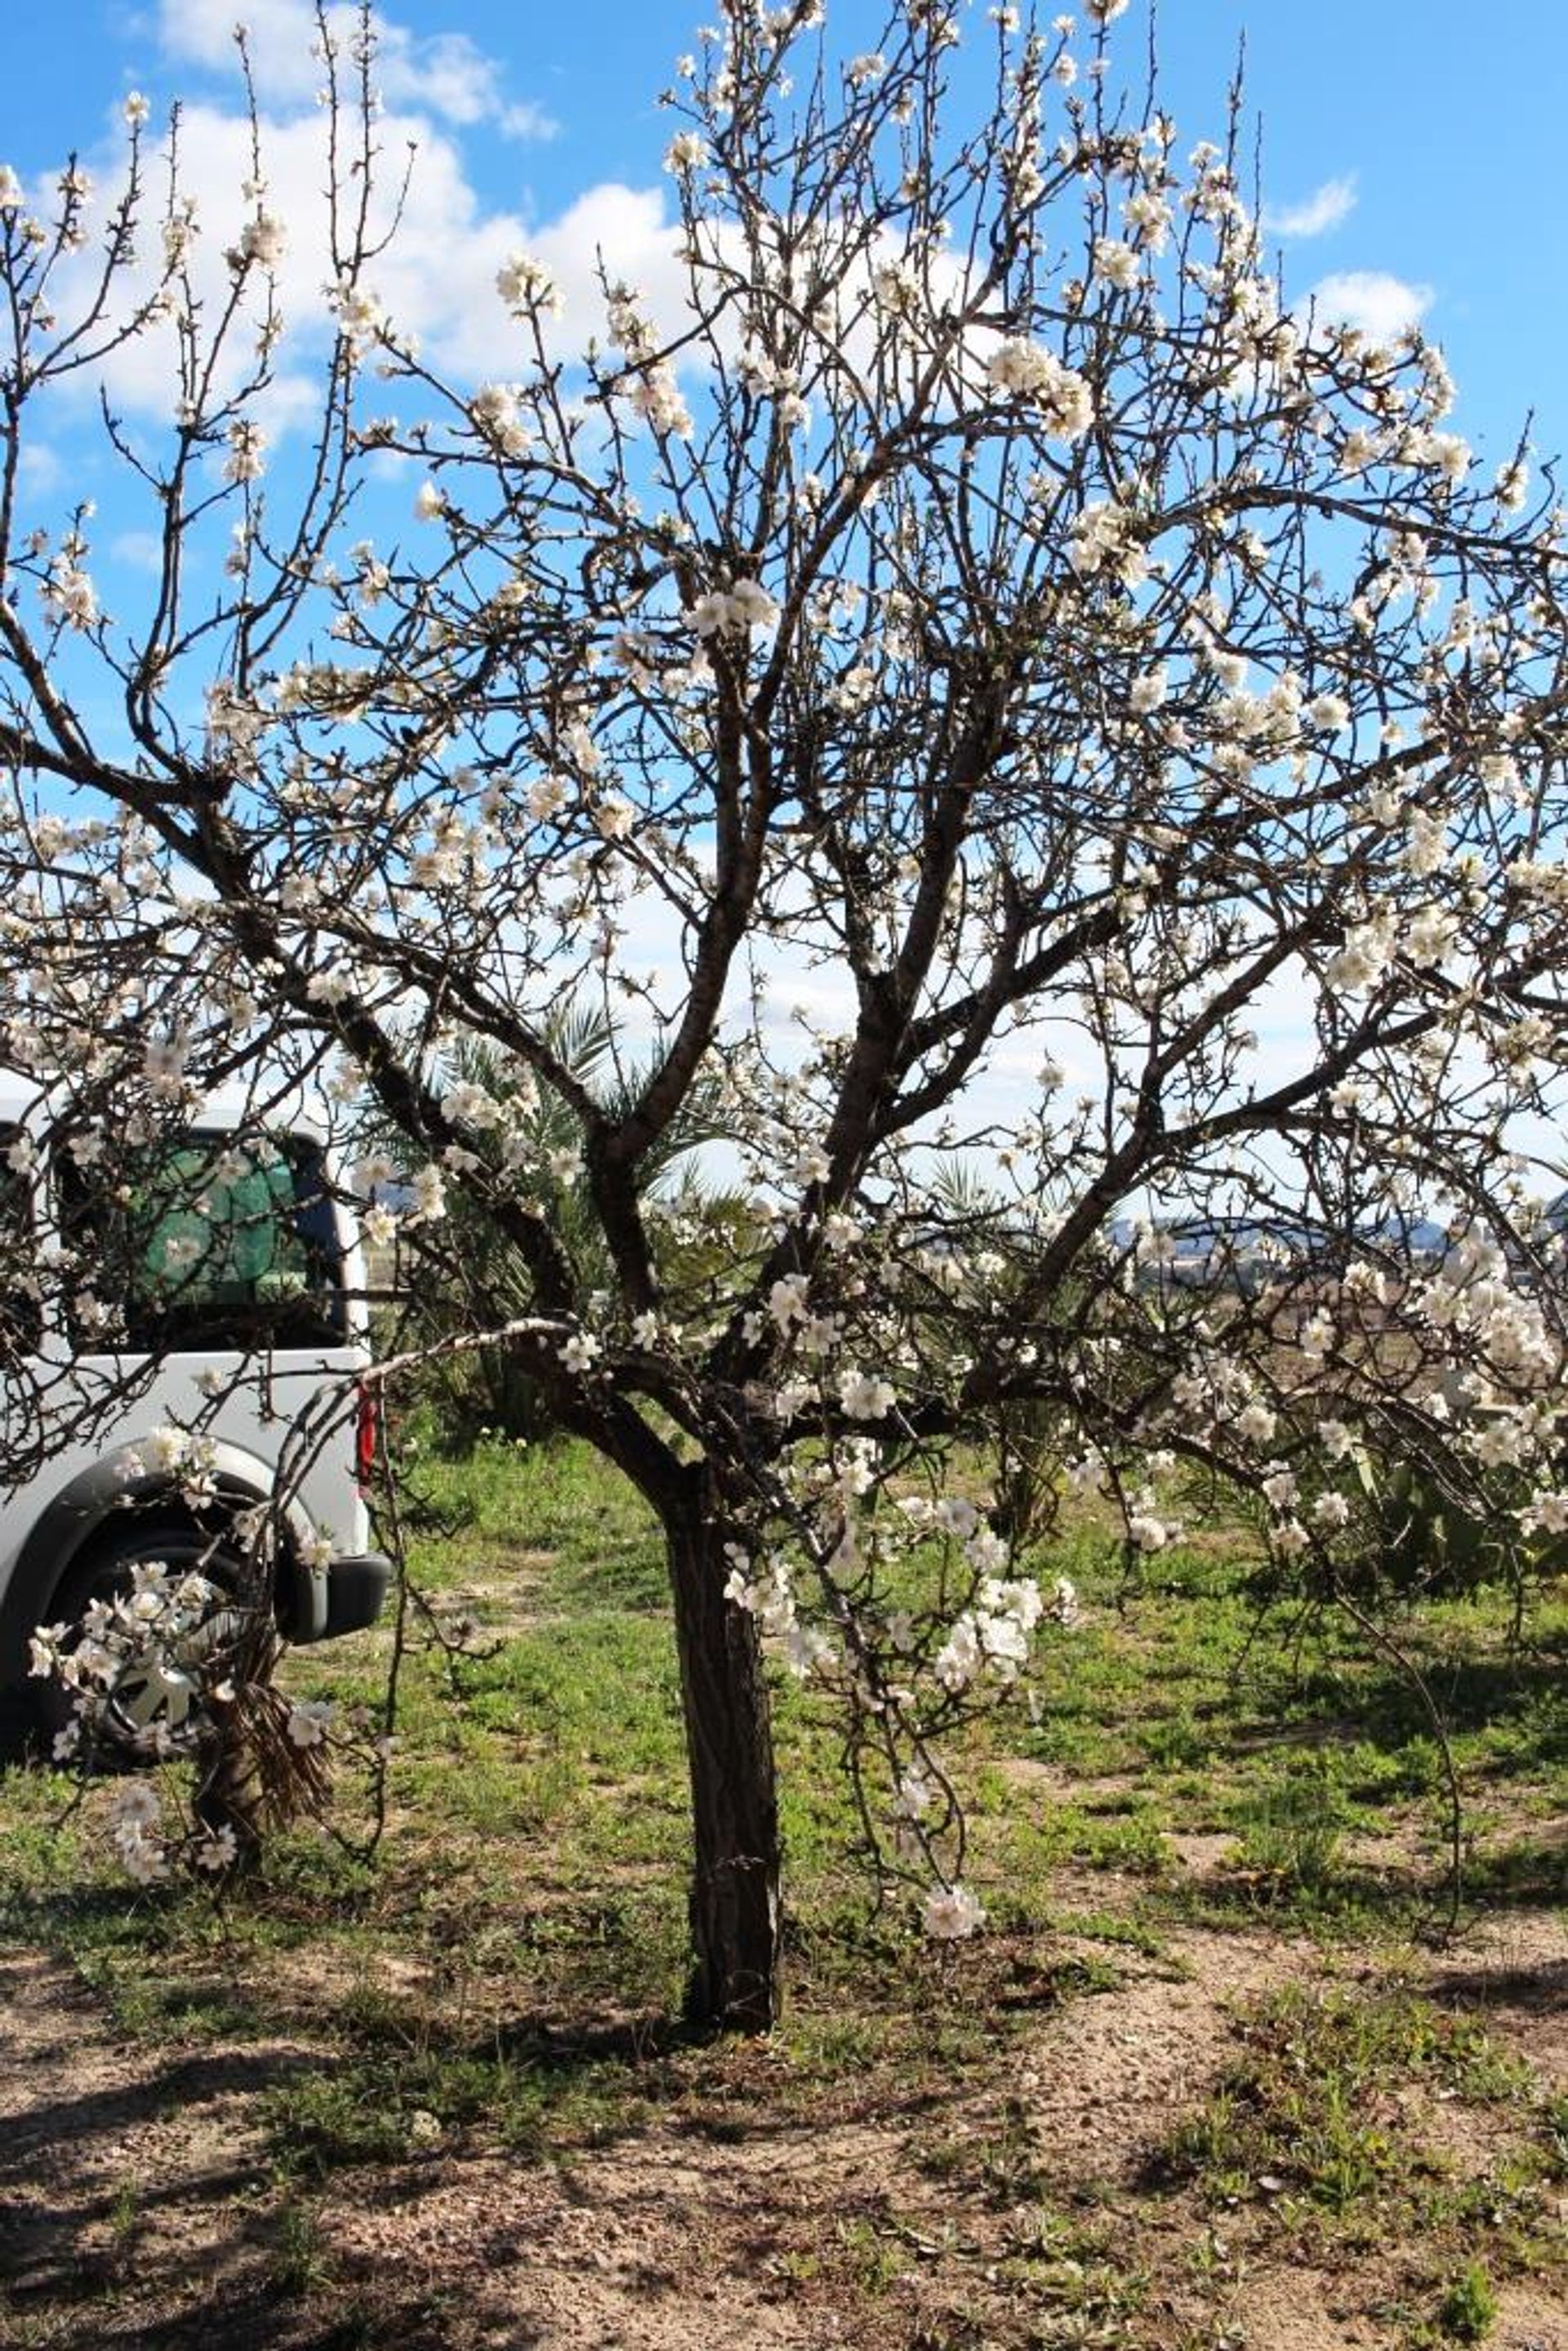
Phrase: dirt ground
(139, 2205)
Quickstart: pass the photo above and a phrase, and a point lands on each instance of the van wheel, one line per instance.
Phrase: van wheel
(163, 1698)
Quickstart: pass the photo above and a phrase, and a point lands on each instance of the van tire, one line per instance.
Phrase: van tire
(18, 1724)
(103, 1571)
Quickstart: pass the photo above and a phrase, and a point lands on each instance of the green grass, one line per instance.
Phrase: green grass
(508, 1971)
(538, 1788)
(1468, 2308)
(1314, 2140)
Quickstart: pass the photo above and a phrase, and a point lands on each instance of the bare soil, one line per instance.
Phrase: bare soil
(139, 2205)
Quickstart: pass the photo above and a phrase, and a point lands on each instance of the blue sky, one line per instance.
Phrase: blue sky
(1448, 131)
(1411, 167)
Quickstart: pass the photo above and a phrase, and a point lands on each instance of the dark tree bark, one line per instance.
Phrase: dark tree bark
(734, 1910)
(230, 1796)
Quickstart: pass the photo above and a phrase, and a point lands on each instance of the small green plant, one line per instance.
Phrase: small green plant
(1293, 1827)
(125, 2214)
(1554, 2121)
(1009, 2154)
(876, 2261)
(1468, 2311)
(298, 2263)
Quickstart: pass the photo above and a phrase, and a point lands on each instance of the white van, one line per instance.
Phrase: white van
(229, 1300)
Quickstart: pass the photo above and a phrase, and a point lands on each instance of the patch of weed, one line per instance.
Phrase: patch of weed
(1305, 2108)
(1291, 1827)
(1468, 2311)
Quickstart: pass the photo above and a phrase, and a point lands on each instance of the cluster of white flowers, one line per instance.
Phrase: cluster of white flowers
(631, 329)
(897, 289)
(496, 410)
(429, 1190)
(950, 1914)
(1025, 371)
(787, 1299)
(309, 1721)
(1148, 217)
(361, 315)
(1513, 485)
(767, 379)
(767, 1591)
(135, 1821)
(1117, 264)
(1429, 935)
(247, 446)
(580, 1352)
(1363, 962)
(746, 605)
(527, 287)
(993, 1637)
(613, 819)
(69, 591)
(865, 1395)
(1546, 1513)
(1105, 542)
(263, 240)
(656, 397)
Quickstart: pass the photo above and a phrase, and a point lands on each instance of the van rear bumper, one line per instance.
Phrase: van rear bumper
(356, 1587)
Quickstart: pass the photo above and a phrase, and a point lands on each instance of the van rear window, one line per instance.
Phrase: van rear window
(211, 1241)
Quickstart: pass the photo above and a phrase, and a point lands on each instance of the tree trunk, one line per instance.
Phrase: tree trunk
(735, 1913)
(229, 1795)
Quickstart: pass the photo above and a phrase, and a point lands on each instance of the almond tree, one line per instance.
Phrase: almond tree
(983, 606)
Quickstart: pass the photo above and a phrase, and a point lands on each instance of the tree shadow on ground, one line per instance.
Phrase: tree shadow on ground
(146, 2210)
(1385, 1708)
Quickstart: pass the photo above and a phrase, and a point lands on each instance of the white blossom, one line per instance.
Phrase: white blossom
(687, 152)
(613, 819)
(1029, 372)
(310, 1720)
(864, 1396)
(263, 240)
(524, 285)
(950, 1914)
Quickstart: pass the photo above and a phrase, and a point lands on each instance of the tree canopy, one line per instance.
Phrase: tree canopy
(1117, 704)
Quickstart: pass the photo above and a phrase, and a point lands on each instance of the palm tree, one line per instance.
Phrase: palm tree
(483, 1278)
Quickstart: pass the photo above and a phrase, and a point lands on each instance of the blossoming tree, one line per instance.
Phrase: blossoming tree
(1118, 704)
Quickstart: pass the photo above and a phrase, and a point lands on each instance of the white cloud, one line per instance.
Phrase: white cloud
(1325, 209)
(41, 467)
(1380, 304)
(137, 551)
(445, 74)
(437, 279)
